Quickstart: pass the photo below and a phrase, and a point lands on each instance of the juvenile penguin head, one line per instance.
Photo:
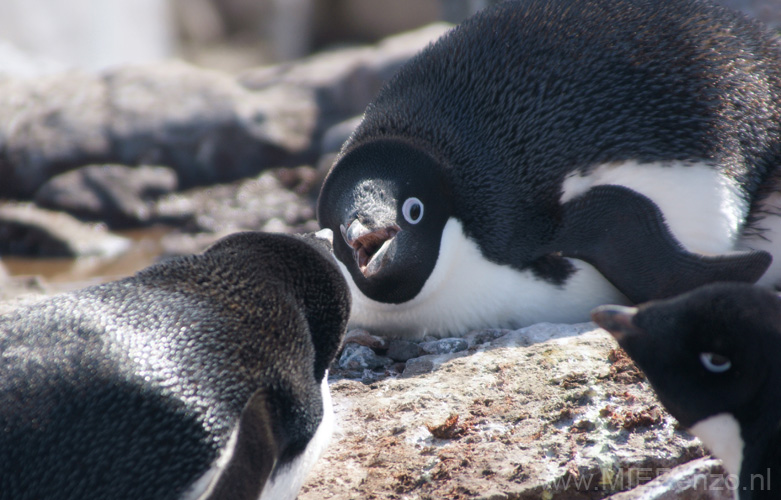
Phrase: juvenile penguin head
(386, 203)
(708, 352)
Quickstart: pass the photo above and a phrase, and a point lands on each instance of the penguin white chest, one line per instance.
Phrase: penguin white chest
(285, 483)
(721, 435)
(465, 291)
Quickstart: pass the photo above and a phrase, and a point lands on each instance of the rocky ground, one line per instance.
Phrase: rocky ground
(550, 411)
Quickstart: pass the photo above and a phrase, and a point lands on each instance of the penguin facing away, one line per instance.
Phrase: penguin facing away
(201, 377)
(712, 357)
(548, 156)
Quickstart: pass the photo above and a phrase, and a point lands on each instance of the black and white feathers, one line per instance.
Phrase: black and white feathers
(653, 128)
(712, 355)
(199, 377)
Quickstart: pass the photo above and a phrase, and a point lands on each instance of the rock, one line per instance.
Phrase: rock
(48, 125)
(418, 366)
(31, 231)
(541, 332)
(403, 350)
(336, 135)
(118, 195)
(279, 200)
(701, 479)
(208, 126)
(137, 115)
(219, 132)
(364, 338)
(444, 346)
(543, 420)
(478, 337)
(358, 357)
(346, 80)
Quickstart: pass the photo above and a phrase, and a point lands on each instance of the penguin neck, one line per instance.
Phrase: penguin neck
(760, 472)
(761, 465)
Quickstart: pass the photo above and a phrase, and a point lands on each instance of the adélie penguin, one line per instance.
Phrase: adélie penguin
(548, 156)
(712, 356)
(201, 377)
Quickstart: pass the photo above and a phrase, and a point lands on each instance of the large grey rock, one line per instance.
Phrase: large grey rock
(48, 125)
(345, 80)
(206, 125)
(541, 412)
(118, 195)
(28, 230)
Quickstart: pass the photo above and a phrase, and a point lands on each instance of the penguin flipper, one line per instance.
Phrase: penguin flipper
(254, 456)
(623, 235)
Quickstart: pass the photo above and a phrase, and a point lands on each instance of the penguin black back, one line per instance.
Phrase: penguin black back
(712, 357)
(134, 389)
(631, 80)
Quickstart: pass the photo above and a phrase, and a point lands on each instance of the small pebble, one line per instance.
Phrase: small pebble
(444, 346)
(418, 366)
(402, 350)
(478, 337)
(365, 338)
(357, 357)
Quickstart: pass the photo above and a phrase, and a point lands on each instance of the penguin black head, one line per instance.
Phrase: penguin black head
(387, 209)
(712, 357)
(705, 352)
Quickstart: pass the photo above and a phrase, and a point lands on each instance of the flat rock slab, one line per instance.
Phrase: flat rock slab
(26, 229)
(701, 479)
(550, 411)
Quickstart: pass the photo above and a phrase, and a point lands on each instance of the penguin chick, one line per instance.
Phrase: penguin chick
(712, 356)
(201, 377)
(650, 128)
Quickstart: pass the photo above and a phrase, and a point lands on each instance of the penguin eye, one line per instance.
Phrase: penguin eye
(715, 363)
(412, 210)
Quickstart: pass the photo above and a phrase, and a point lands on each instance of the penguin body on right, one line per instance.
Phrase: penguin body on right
(712, 356)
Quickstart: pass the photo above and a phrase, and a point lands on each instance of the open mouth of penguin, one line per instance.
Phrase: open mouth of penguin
(369, 247)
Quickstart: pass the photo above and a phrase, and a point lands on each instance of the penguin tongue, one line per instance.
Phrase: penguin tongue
(370, 248)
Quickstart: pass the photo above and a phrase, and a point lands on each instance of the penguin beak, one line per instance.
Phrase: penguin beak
(370, 247)
(617, 320)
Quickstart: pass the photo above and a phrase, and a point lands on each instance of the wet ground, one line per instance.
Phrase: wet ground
(75, 273)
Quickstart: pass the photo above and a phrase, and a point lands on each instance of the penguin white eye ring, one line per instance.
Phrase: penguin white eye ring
(714, 362)
(412, 210)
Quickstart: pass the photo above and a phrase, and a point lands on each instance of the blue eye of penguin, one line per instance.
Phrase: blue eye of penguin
(412, 210)
(715, 363)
